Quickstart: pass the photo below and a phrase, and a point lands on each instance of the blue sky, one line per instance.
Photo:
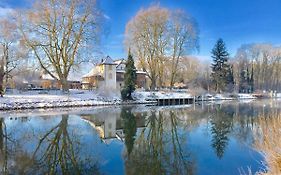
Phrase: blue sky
(236, 21)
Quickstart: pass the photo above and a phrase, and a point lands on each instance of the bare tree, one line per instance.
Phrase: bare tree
(146, 36)
(10, 50)
(262, 62)
(184, 37)
(158, 36)
(59, 33)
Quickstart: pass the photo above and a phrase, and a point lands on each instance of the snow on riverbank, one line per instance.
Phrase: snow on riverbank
(51, 99)
(77, 98)
(144, 96)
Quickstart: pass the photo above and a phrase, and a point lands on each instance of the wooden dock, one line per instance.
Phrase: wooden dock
(174, 101)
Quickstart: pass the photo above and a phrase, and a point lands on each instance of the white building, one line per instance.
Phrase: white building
(109, 75)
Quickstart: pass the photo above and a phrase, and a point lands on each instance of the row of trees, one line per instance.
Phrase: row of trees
(261, 64)
(254, 67)
(60, 35)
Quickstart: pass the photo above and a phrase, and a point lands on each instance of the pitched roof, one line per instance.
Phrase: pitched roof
(107, 60)
(120, 61)
(94, 72)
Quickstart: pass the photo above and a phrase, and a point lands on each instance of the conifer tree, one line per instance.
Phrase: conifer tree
(220, 67)
(130, 77)
(130, 128)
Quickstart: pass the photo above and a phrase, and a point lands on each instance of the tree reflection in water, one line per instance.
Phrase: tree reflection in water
(3, 147)
(157, 148)
(130, 128)
(221, 126)
(57, 152)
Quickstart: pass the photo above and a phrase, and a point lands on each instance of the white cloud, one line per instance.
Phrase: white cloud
(5, 11)
(106, 17)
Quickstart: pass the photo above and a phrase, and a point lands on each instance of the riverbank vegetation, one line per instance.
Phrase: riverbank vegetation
(268, 142)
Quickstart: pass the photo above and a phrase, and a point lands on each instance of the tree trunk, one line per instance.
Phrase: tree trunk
(153, 84)
(1, 136)
(1, 85)
(64, 85)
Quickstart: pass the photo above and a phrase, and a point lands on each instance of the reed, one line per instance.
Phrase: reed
(268, 142)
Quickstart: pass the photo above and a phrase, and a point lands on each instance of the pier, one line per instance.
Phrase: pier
(174, 101)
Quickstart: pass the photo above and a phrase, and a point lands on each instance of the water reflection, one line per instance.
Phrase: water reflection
(201, 139)
(130, 129)
(221, 126)
(3, 147)
(158, 147)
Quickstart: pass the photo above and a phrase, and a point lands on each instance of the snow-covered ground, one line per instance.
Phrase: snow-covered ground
(77, 98)
(246, 96)
(144, 96)
(50, 99)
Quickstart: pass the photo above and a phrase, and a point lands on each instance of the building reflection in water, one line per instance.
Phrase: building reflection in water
(109, 124)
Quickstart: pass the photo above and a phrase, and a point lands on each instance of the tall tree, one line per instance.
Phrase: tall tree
(220, 66)
(9, 50)
(160, 37)
(59, 33)
(146, 35)
(184, 37)
(130, 78)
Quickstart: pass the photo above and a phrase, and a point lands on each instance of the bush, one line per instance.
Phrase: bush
(124, 94)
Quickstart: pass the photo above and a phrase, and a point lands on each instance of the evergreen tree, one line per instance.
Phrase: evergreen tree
(220, 68)
(130, 128)
(130, 78)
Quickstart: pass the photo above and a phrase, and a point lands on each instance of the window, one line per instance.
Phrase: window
(110, 76)
(110, 67)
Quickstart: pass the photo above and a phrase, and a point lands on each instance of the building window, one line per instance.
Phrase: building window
(110, 67)
(110, 76)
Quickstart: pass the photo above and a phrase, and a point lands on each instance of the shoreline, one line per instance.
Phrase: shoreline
(78, 98)
(93, 103)
(31, 106)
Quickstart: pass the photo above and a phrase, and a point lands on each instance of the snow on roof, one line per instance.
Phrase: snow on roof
(93, 72)
(71, 77)
(121, 61)
(47, 77)
(138, 71)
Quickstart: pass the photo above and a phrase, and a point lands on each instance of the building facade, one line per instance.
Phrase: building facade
(109, 75)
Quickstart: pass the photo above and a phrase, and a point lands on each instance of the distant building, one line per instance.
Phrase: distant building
(48, 82)
(109, 75)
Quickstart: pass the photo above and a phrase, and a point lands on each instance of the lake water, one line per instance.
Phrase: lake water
(196, 139)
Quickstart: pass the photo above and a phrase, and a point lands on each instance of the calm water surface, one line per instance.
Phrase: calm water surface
(197, 139)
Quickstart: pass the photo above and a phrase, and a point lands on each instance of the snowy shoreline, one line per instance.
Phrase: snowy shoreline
(82, 98)
(75, 99)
